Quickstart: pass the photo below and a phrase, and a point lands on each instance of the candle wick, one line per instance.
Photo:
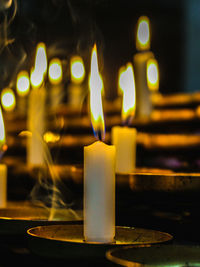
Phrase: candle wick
(99, 135)
(127, 121)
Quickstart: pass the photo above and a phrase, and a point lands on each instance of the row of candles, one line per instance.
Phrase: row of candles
(101, 161)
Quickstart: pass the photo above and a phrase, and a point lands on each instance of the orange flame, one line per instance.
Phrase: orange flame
(127, 85)
(96, 88)
(2, 131)
(143, 34)
(152, 74)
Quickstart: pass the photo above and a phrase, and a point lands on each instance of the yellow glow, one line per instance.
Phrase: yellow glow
(77, 69)
(127, 85)
(2, 131)
(50, 137)
(55, 71)
(96, 87)
(23, 83)
(143, 34)
(41, 59)
(152, 74)
(8, 99)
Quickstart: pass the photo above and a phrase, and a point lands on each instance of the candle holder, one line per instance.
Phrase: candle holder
(167, 255)
(67, 241)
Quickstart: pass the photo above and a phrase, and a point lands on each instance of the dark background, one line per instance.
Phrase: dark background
(69, 27)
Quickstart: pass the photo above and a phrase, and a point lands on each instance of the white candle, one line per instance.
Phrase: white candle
(99, 192)
(3, 185)
(144, 105)
(124, 139)
(99, 170)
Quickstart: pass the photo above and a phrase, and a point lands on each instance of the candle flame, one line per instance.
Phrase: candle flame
(96, 88)
(2, 131)
(143, 34)
(23, 83)
(127, 85)
(77, 69)
(8, 99)
(39, 71)
(55, 71)
(41, 58)
(152, 74)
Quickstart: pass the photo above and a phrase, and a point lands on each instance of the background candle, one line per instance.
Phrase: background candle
(144, 105)
(99, 170)
(3, 167)
(55, 75)
(23, 87)
(124, 138)
(3, 185)
(36, 109)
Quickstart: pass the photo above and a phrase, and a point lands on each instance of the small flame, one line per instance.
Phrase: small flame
(55, 71)
(121, 80)
(23, 83)
(8, 99)
(39, 71)
(2, 131)
(96, 88)
(153, 74)
(127, 85)
(41, 58)
(77, 69)
(143, 34)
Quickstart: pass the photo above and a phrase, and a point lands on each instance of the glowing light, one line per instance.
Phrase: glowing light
(50, 137)
(55, 71)
(77, 69)
(41, 59)
(23, 83)
(121, 79)
(2, 131)
(36, 78)
(8, 99)
(153, 74)
(96, 87)
(143, 34)
(127, 85)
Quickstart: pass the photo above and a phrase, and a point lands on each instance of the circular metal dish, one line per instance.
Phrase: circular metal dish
(67, 241)
(156, 256)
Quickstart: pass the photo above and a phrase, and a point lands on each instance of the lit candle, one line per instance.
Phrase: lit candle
(23, 88)
(124, 138)
(144, 105)
(99, 170)
(75, 88)
(3, 167)
(36, 109)
(55, 74)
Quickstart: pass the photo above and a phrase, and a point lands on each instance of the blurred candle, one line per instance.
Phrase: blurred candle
(75, 88)
(124, 138)
(3, 167)
(36, 110)
(153, 79)
(23, 88)
(144, 105)
(55, 75)
(99, 170)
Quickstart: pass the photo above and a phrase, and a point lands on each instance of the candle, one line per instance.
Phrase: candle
(124, 138)
(144, 105)
(8, 100)
(23, 88)
(3, 167)
(55, 75)
(99, 170)
(36, 110)
(75, 88)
